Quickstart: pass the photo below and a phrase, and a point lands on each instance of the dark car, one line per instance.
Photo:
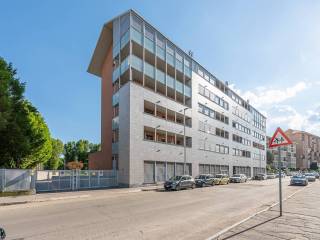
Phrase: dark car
(299, 180)
(179, 182)
(260, 176)
(204, 180)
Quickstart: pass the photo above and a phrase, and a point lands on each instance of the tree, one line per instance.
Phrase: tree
(38, 138)
(79, 151)
(56, 161)
(24, 135)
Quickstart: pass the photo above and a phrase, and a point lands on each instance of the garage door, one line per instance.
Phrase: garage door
(161, 171)
(170, 170)
(149, 172)
(188, 169)
(179, 168)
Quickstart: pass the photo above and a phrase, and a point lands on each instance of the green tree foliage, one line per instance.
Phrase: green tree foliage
(56, 161)
(79, 151)
(24, 136)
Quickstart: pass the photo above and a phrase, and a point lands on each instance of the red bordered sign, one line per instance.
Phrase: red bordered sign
(279, 138)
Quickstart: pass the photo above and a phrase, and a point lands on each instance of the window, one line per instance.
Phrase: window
(149, 107)
(212, 97)
(161, 136)
(136, 23)
(161, 112)
(212, 114)
(149, 133)
(115, 111)
(115, 135)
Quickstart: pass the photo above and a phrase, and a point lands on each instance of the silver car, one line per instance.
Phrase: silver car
(310, 176)
(179, 182)
(238, 178)
(271, 176)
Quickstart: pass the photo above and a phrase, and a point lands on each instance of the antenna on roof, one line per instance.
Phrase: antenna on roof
(227, 83)
(190, 53)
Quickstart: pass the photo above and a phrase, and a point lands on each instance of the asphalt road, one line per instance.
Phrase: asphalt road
(188, 214)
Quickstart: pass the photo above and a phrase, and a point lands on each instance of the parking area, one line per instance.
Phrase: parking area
(186, 214)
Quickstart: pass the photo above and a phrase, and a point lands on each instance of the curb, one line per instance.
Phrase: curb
(62, 198)
(43, 200)
(218, 234)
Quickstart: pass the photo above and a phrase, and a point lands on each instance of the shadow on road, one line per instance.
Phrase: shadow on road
(249, 228)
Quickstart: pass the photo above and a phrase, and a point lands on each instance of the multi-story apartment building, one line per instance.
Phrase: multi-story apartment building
(287, 155)
(308, 147)
(161, 108)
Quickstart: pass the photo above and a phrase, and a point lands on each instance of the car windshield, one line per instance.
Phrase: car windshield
(298, 177)
(236, 175)
(309, 174)
(202, 177)
(175, 178)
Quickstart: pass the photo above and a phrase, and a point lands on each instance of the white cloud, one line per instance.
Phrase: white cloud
(286, 116)
(274, 104)
(263, 96)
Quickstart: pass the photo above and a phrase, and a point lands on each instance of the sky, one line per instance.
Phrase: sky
(268, 51)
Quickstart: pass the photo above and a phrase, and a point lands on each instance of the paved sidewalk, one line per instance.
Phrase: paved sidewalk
(300, 220)
(55, 196)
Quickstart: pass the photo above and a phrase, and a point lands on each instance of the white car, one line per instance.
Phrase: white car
(310, 177)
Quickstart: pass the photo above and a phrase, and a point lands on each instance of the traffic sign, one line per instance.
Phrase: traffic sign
(279, 138)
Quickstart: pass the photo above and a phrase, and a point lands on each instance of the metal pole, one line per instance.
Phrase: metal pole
(280, 184)
(184, 142)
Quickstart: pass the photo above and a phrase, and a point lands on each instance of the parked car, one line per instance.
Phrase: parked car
(310, 176)
(220, 179)
(260, 176)
(271, 176)
(316, 174)
(238, 178)
(283, 175)
(180, 182)
(204, 180)
(299, 180)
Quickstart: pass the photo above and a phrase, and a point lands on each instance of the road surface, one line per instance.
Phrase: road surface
(187, 214)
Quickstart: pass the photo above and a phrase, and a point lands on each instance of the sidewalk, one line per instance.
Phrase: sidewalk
(56, 196)
(300, 220)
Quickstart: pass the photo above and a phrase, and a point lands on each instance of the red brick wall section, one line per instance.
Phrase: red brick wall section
(103, 159)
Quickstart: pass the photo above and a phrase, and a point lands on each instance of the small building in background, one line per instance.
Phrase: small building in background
(287, 154)
(308, 148)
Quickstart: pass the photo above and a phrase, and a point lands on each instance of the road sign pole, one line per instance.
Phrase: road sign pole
(280, 184)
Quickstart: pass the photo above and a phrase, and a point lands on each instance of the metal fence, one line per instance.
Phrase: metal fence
(13, 180)
(72, 180)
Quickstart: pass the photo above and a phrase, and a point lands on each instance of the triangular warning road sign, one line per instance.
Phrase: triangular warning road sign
(279, 139)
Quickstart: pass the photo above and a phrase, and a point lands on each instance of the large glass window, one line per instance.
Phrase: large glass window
(179, 86)
(170, 81)
(136, 23)
(136, 63)
(136, 36)
(148, 70)
(170, 55)
(161, 76)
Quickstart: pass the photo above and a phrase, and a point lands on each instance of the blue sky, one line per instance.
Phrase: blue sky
(268, 50)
